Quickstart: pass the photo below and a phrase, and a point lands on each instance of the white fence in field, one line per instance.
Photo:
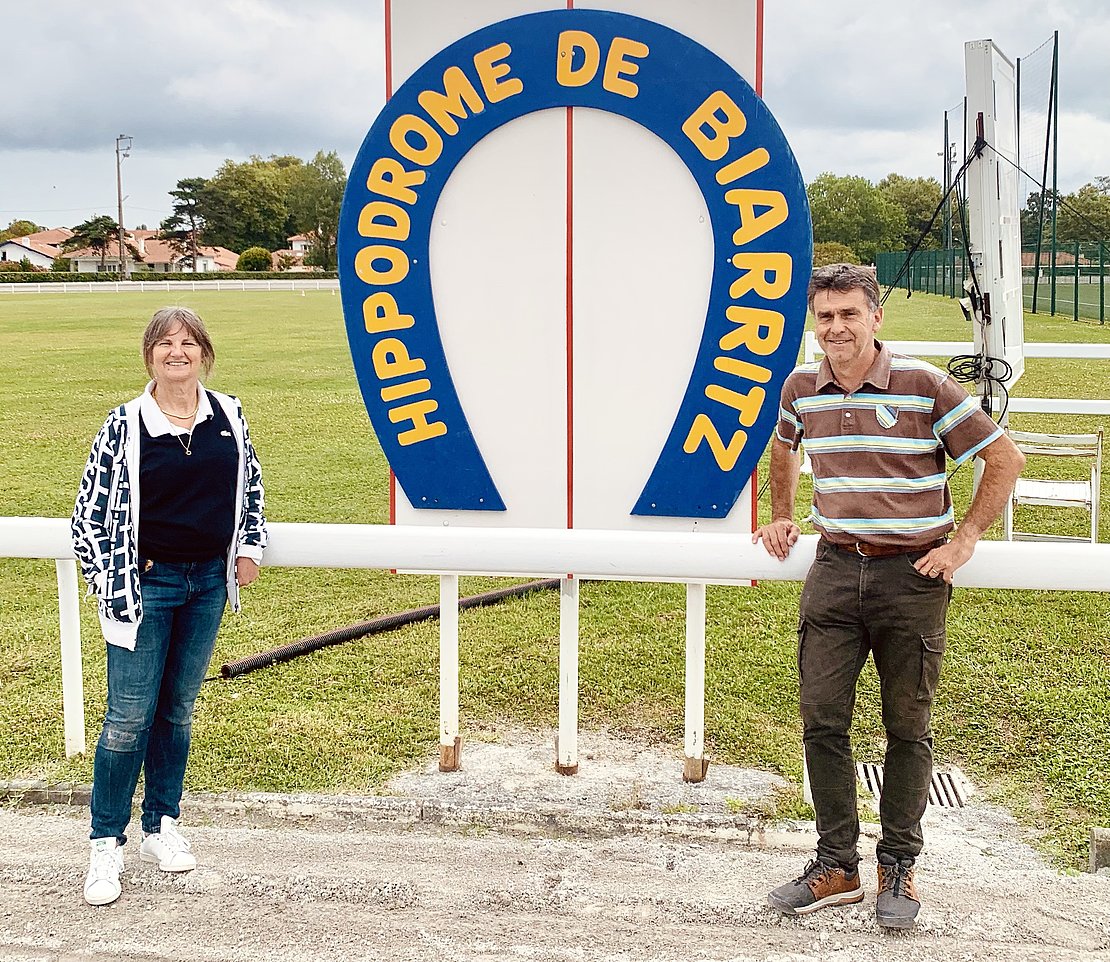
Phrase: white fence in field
(1024, 405)
(695, 559)
(123, 287)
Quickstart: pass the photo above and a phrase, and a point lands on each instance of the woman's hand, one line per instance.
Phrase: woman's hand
(246, 570)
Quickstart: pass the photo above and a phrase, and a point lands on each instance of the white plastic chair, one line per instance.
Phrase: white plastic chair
(1051, 492)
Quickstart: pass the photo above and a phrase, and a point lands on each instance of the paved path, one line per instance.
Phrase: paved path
(509, 861)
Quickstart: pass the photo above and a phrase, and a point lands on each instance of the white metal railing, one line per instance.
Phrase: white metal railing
(693, 558)
(118, 287)
(1022, 405)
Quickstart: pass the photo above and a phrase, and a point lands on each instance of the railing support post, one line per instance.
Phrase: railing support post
(566, 744)
(450, 741)
(696, 764)
(73, 689)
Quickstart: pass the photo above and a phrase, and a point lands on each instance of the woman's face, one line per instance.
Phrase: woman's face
(176, 357)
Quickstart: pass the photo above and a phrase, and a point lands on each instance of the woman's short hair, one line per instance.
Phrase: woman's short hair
(164, 321)
(843, 278)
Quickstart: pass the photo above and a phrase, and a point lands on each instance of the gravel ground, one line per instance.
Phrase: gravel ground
(507, 860)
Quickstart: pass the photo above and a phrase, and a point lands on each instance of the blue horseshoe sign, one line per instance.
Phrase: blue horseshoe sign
(681, 92)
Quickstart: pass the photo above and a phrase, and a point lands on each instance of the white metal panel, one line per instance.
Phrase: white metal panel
(498, 267)
(643, 258)
(994, 221)
(642, 262)
(727, 27)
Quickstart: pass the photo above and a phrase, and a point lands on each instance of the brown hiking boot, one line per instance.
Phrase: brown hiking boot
(821, 885)
(898, 904)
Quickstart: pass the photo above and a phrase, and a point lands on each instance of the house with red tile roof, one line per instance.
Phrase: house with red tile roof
(39, 248)
(154, 255)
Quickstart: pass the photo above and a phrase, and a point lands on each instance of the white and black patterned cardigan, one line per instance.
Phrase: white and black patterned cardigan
(105, 522)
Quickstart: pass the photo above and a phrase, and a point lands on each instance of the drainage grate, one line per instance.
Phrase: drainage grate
(948, 789)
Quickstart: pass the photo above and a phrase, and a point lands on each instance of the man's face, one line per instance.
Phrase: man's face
(846, 326)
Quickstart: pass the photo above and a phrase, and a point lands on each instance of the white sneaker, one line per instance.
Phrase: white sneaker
(167, 848)
(105, 864)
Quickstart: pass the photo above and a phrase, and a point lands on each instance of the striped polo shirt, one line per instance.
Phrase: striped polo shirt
(878, 454)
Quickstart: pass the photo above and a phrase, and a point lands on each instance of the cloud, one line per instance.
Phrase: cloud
(858, 88)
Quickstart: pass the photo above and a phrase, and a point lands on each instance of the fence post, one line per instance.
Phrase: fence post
(566, 743)
(695, 765)
(450, 742)
(73, 689)
(1075, 294)
(1101, 282)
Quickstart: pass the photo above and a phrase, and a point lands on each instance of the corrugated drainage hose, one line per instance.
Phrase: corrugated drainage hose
(376, 625)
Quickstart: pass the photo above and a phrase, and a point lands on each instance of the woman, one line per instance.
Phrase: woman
(167, 527)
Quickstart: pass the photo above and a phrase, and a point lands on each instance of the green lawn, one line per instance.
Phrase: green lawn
(1023, 706)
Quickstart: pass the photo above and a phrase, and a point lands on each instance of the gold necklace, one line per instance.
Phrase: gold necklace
(180, 417)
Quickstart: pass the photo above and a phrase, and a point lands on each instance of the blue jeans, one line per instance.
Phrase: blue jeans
(151, 693)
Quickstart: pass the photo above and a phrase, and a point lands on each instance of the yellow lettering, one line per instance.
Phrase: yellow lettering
(703, 430)
(617, 67)
(390, 179)
(391, 359)
(723, 119)
(422, 429)
(491, 70)
(380, 314)
(458, 94)
(397, 391)
(741, 167)
(752, 321)
(766, 274)
(747, 406)
(396, 226)
(742, 369)
(753, 224)
(431, 143)
(367, 272)
(565, 72)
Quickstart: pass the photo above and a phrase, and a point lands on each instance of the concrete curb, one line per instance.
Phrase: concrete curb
(402, 811)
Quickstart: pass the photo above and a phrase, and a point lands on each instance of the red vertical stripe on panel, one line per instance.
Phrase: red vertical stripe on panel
(759, 47)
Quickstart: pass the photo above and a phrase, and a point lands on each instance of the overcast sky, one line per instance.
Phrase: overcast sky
(859, 88)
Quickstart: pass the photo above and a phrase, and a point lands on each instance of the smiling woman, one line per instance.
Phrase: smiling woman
(162, 579)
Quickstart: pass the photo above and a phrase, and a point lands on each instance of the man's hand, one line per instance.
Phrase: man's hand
(778, 537)
(246, 570)
(942, 562)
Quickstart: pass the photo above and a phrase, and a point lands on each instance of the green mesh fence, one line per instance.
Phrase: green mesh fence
(1079, 282)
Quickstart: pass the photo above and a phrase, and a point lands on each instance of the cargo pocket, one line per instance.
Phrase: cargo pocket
(932, 651)
(801, 646)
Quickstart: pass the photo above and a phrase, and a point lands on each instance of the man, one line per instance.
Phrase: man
(877, 427)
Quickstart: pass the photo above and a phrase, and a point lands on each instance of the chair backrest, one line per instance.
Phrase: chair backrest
(1059, 445)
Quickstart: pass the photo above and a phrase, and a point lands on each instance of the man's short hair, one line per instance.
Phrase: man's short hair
(843, 278)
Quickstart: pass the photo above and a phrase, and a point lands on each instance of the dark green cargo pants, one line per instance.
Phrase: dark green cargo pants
(852, 606)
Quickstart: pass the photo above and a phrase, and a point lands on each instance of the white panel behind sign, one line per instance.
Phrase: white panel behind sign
(640, 257)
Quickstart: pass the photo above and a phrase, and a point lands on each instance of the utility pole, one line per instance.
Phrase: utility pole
(123, 150)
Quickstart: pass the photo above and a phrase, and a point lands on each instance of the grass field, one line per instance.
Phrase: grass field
(1023, 706)
(1089, 301)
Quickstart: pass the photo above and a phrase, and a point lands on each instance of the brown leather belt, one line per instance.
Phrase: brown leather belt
(866, 550)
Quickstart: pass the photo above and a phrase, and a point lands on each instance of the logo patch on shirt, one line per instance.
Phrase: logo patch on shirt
(225, 434)
(886, 416)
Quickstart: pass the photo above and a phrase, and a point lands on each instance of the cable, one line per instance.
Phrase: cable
(928, 227)
(1056, 195)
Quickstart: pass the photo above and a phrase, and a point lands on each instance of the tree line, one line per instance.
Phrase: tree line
(854, 219)
(259, 203)
(252, 206)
